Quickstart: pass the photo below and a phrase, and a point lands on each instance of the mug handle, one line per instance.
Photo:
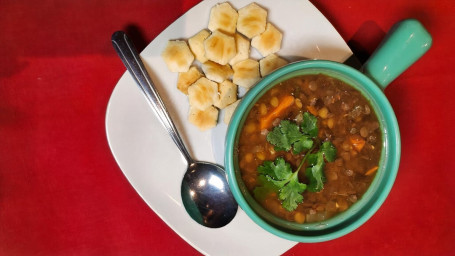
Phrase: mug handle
(405, 43)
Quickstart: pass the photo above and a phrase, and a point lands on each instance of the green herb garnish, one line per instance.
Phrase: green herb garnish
(310, 124)
(315, 171)
(264, 188)
(278, 175)
(329, 151)
(286, 135)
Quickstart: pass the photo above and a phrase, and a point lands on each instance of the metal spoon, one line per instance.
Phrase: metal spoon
(205, 191)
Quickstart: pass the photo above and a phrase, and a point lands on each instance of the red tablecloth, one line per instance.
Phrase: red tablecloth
(62, 193)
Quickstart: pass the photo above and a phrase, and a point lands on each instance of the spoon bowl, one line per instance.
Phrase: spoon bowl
(205, 192)
(206, 195)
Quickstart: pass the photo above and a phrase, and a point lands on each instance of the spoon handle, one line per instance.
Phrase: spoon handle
(130, 57)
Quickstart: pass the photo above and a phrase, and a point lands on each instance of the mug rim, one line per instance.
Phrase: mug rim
(345, 222)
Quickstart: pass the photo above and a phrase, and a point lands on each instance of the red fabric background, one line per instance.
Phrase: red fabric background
(62, 193)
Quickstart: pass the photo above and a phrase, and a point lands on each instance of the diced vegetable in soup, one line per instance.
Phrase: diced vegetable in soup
(309, 148)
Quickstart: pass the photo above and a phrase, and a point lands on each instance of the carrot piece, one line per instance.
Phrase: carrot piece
(312, 110)
(267, 120)
(357, 142)
(371, 171)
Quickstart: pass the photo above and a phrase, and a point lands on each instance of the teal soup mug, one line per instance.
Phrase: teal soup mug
(404, 44)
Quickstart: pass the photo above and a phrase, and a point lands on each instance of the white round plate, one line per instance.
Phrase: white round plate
(147, 155)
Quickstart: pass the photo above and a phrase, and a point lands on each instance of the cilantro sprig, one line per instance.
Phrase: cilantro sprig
(279, 173)
(277, 176)
(288, 134)
(315, 170)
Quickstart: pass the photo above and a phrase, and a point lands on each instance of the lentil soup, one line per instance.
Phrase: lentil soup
(345, 118)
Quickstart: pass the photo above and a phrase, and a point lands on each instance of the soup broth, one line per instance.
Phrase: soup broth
(344, 117)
